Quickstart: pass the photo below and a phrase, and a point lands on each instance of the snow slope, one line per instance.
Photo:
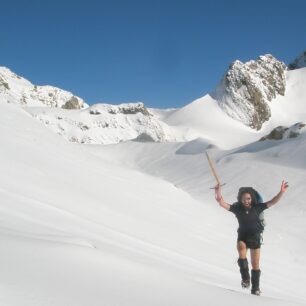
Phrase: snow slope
(81, 226)
(262, 165)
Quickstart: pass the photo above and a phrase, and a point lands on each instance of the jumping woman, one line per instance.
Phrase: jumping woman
(250, 229)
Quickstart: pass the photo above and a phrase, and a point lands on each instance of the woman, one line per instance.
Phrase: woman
(249, 232)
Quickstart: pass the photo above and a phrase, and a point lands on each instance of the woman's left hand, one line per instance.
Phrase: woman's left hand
(284, 186)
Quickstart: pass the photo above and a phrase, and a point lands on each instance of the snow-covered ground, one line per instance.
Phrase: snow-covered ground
(136, 223)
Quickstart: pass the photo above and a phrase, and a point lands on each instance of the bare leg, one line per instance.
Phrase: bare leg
(255, 257)
(242, 249)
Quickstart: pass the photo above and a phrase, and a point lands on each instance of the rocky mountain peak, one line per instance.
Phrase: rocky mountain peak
(247, 88)
(299, 62)
(16, 89)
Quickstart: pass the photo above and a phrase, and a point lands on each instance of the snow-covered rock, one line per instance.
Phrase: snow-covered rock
(282, 132)
(18, 90)
(69, 116)
(299, 62)
(246, 89)
(105, 123)
(125, 109)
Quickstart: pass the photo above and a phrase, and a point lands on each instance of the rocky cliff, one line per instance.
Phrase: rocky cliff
(247, 89)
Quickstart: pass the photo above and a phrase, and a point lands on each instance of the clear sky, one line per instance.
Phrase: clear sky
(165, 53)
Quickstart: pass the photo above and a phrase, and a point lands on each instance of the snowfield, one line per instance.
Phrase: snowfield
(136, 223)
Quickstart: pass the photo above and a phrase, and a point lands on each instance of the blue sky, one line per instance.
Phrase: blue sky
(163, 53)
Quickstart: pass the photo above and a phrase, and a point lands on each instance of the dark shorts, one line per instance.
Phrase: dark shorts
(252, 241)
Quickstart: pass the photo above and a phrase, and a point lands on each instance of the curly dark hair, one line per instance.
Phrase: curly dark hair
(244, 190)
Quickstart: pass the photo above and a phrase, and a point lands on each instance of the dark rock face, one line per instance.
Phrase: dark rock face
(4, 84)
(276, 134)
(282, 132)
(144, 138)
(72, 103)
(299, 62)
(246, 89)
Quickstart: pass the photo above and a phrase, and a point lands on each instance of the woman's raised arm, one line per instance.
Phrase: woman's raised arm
(283, 189)
(219, 198)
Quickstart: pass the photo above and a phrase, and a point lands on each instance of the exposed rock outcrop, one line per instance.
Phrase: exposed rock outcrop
(73, 103)
(299, 62)
(282, 132)
(105, 124)
(125, 108)
(246, 89)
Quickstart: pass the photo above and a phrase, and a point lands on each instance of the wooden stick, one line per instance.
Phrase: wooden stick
(212, 168)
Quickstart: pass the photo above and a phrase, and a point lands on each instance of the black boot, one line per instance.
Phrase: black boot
(244, 271)
(255, 282)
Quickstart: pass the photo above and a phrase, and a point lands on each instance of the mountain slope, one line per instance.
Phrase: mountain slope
(16, 89)
(262, 165)
(256, 95)
(70, 116)
(204, 118)
(79, 229)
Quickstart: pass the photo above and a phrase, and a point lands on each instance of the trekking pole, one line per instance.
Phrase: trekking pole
(213, 170)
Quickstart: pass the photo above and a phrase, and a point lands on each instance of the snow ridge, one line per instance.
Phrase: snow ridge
(15, 89)
(69, 116)
(105, 123)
